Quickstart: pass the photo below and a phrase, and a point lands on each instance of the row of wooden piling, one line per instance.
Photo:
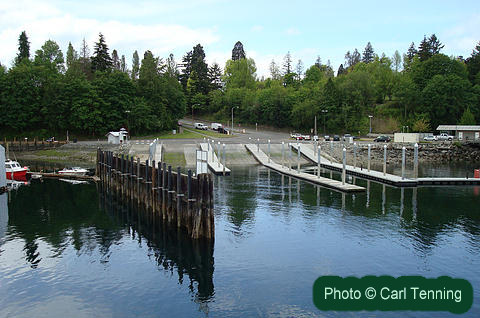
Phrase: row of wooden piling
(182, 200)
(22, 145)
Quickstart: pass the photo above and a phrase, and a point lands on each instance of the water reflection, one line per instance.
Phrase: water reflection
(62, 215)
(173, 250)
(422, 221)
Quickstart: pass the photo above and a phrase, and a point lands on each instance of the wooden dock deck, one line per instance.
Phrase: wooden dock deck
(378, 176)
(214, 163)
(261, 157)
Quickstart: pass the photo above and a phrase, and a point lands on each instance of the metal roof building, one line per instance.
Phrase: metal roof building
(462, 132)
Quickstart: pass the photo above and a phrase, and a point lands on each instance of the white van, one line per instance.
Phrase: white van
(216, 126)
(201, 126)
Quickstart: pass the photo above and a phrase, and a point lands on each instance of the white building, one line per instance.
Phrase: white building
(117, 137)
(462, 132)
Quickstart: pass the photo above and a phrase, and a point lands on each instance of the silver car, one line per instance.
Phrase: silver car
(430, 138)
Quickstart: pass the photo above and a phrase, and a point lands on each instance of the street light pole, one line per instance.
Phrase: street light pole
(232, 117)
(316, 126)
(370, 116)
(324, 111)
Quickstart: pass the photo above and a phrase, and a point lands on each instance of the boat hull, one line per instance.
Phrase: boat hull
(20, 175)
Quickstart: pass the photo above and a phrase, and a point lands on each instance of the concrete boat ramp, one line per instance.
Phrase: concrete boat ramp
(261, 157)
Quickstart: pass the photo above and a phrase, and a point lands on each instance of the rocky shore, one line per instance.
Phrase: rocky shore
(427, 152)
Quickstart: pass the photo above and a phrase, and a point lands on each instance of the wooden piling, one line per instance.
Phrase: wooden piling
(185, 202)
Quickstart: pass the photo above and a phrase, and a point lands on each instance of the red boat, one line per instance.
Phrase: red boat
(15, 171)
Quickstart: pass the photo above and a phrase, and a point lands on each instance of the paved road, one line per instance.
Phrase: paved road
(240, 137)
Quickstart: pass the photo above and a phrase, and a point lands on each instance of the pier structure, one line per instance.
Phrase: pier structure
(181, 200)
(216, 157)
(382, 176)
(265, 160)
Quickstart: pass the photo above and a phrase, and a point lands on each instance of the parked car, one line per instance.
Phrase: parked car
(336, 138)
(201, 126)
(382, 139)
(346, 136)
(306, 137)
(326, 138)
(216, 126)
(296, 136)
(430, 138)
(222, 130)
(51, 139)
(315, 138)
(444, 136)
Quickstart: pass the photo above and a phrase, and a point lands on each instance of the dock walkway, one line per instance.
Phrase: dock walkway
(379, 176)
(261, 157)
(213, 162)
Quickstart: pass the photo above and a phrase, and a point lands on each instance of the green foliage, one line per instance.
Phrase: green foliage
(240, 74)
(39, 97)
(445, 98)
(422, 124)
(23, 48)
(101, 60)
(467, 118)
(50, 55)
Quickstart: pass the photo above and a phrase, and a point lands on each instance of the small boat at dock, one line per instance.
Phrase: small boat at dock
(14, 171)
(74, 171)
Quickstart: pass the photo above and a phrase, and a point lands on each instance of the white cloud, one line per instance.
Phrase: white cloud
(46, 22)
(462, 38)
(257, 28)
(292, 31)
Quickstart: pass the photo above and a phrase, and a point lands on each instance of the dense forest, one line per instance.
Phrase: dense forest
(90, 94)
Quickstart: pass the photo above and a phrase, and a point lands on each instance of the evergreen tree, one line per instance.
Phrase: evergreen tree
(341, 70)
(238, 52)
(135, 65)
(412, 51)
(72, 56)
(215, 76)
(23, 48)
(101, 60)
(287, 64)
(201, 69)
(424, 50)
(368, 54)
(115, 60)
(186, 69)
(467, 118)
(473, 64)
(435, 45)
(123, 64)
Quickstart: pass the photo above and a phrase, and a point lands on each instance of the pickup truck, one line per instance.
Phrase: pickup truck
(444, 136)
(201, 126)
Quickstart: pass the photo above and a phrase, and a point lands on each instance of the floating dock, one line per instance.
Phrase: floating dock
(261, 157)
(213, 161)
(379, 176)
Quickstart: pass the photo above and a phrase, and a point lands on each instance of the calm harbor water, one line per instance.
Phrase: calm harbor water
(68, 251)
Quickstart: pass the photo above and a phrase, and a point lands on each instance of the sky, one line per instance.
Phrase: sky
(267, 29)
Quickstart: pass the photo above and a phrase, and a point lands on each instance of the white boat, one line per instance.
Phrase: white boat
(74, 181)
(74, 171)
